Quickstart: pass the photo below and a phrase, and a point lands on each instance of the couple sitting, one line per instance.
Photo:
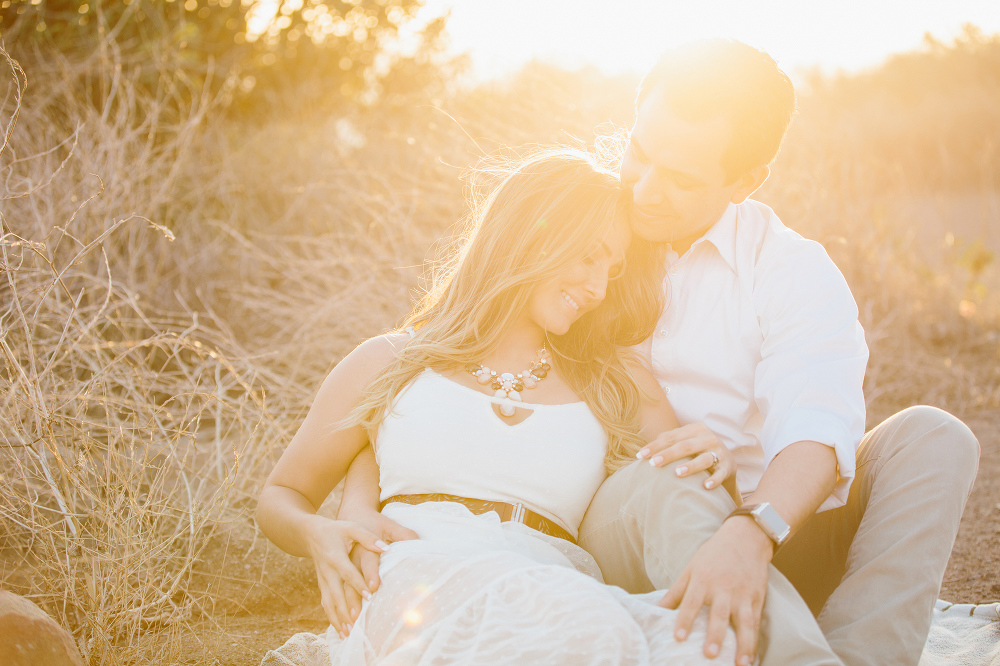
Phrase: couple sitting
(586, 318)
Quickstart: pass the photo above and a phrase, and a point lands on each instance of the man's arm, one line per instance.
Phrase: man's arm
(360, 505)
(361, 489)
(729, 572)
(808, 387)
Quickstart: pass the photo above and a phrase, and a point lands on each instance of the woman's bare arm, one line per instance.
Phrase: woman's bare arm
(316, 460)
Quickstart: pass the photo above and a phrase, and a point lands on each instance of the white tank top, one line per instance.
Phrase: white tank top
(443, 437)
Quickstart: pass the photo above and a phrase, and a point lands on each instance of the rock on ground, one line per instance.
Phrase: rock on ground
(29, 637)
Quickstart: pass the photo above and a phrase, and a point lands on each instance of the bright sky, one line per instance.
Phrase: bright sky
(621, 35)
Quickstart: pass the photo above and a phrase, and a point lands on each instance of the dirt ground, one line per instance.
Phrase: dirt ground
(262, 596)
(973, 574)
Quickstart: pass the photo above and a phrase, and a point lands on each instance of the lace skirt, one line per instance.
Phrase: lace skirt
(473, 590)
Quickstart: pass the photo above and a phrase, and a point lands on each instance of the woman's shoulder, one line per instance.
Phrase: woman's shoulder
(643, 376)
(375, 353)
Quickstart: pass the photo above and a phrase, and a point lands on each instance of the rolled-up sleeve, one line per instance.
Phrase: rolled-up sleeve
(809, 381)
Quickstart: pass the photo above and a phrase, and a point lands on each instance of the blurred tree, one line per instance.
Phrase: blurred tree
(323, 50)
(931, 115)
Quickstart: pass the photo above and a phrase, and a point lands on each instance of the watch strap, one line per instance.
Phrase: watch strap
(778, 533)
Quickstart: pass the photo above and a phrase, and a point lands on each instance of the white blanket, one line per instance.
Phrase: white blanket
(961, 635)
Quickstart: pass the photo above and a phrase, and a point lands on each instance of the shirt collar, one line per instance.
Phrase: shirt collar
(722, 235)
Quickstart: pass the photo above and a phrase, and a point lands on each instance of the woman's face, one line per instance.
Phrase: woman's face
(557, 303)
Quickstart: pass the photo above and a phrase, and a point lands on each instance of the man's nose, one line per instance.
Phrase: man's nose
(646, 191)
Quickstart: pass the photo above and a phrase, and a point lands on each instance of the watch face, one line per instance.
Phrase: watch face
(772, 523)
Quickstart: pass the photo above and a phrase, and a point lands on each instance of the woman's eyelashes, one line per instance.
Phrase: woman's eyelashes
(595, 259)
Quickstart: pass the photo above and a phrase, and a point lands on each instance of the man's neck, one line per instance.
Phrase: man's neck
(682, 245)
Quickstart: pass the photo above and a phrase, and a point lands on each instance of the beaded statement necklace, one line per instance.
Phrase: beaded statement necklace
(509, 385)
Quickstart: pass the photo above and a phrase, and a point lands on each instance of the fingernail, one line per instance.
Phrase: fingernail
(382, 544)
(371, 584)
(642, 453)
(681, 471)
(366, 594)
(709, 484)
(712, 650)
(349, 627)
(681, 634)
(744, 660)
(341, 634)
(354, 613)
(656, 460)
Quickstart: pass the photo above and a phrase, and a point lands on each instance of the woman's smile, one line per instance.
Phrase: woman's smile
(569, 299)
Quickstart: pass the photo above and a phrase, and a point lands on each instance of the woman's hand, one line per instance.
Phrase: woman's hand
(697, 442)
(329, 543)
(365, 560)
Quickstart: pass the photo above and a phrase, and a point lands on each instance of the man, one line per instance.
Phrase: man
(760, 350)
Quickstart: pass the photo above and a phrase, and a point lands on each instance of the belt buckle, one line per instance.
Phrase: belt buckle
(517, 515)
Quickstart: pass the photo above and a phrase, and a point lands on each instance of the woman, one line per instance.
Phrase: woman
(513, 395)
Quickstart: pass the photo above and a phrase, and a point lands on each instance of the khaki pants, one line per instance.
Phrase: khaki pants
(870, 569)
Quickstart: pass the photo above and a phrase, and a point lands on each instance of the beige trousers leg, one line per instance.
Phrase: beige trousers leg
(875, 566)
(645, 524)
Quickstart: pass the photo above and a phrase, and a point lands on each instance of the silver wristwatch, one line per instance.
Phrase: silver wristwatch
(767, 519)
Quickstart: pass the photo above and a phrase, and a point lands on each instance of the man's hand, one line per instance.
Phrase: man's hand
(728, 574)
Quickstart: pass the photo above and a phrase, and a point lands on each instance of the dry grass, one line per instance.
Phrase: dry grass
(120, 420)
(137, 261)
(175, 286)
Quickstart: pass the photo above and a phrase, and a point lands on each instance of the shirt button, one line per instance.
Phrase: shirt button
(662, 333)
(666, 389)
(673, 271)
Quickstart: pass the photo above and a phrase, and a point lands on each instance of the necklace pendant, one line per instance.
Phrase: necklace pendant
(507, 386)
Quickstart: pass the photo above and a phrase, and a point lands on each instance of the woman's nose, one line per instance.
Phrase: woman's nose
(597, 284)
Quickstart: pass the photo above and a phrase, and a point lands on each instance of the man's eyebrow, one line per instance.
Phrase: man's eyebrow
(673, 173)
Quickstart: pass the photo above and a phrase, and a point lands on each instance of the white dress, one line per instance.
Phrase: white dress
(473, 590)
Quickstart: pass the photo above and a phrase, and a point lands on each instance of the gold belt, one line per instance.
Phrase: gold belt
(507, 512)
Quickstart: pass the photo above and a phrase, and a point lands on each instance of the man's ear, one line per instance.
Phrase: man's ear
(750, 182)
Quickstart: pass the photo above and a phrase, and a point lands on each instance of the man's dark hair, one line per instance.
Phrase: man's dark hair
(708, 78)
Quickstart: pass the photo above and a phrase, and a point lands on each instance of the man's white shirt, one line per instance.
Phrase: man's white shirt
(760, 341)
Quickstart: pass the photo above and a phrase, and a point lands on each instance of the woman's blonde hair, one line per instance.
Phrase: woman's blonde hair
(544, 213)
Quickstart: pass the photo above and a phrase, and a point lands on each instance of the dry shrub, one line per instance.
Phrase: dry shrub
(172, 295)
(122, 422)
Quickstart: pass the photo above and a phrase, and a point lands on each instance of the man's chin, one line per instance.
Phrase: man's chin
(654, 229)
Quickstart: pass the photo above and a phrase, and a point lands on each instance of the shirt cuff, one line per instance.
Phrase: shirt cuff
(824, 428)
